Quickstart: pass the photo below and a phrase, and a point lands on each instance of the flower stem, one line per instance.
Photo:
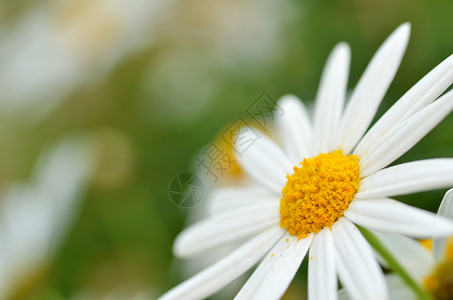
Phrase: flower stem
(394, 264)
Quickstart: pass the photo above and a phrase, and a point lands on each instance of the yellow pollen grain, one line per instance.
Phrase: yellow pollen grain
(440, 282)
(318, 192)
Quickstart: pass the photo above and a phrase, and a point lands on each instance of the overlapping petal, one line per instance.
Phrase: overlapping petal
(405, 135)
(224, 199)
(420, 95)
(445, 210)
(408, 178)
(218, 275)
(294, 128)
(262, 159)
(271, 279)
(412, 256)
(371, 88)
(330, 99)
(397, 289)
(357, 268)
(226, 227)
(322, 276)
(393, 216)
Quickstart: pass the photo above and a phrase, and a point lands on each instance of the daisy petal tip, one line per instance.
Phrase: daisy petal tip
(289, 97)
(339, 58)
(183, 244)
(449, 195)
(342, 54)
(343, 48)
(178, 247)
(404, 29)
(407, 24)
(288, 100)
(446, 206)
(401, 35)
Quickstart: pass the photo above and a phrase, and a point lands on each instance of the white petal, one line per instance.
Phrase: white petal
(445, 210)
(294, 128)
(322, 277)
(446, 206)
(413, 257)
(371, 88)
(398, 289)
(343, 295)
(224, 199)
(405, 135)
(421, 94)
(408, 178)
(271, 279)
(357, 268)
(330, 98)
(226, 227)
(249, 289)
(262, 159)
(392, 216)
(226, 270)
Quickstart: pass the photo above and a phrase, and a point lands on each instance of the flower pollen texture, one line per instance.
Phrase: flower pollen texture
(318, 192)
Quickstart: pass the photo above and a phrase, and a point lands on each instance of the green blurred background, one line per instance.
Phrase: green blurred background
(194, 67)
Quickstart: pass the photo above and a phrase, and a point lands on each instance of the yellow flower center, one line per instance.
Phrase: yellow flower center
(318, 192)
(440, 282)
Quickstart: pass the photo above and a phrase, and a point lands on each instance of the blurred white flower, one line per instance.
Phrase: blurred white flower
(34, 217)
(60, 45)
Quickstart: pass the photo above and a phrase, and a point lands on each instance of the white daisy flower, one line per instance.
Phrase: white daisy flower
(328, 176)
(432, 270)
